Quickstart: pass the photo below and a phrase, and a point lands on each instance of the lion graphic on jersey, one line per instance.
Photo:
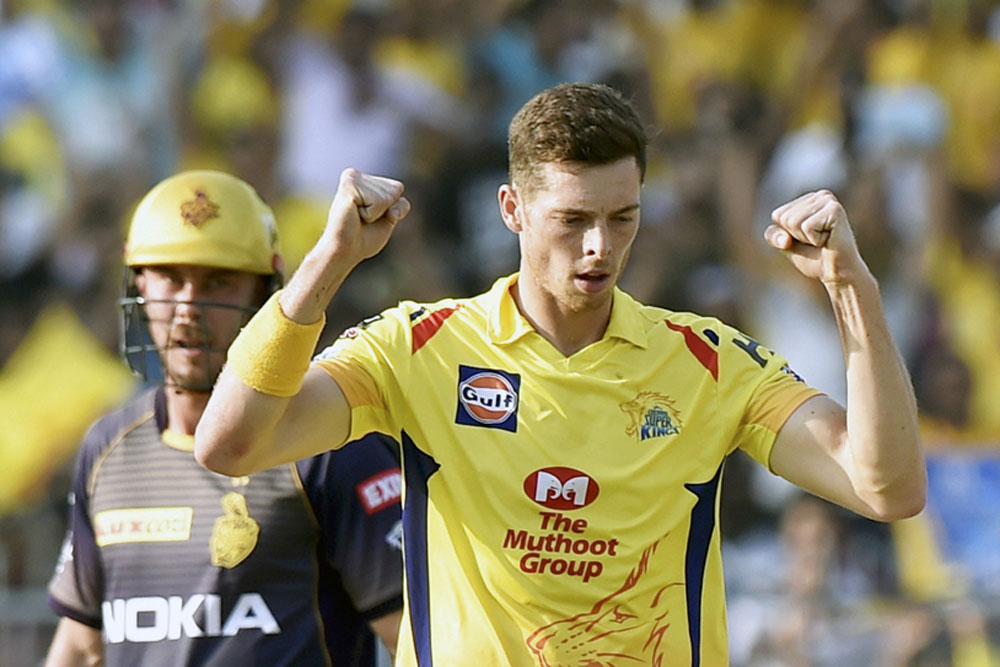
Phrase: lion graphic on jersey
(624, 628)
(651, 415)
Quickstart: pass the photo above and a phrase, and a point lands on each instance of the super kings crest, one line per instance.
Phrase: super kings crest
(651, 415)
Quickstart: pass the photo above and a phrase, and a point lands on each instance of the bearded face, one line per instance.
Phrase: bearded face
(193, 314)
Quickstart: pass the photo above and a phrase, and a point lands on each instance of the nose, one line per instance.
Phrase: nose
(596, 240)
(184, 298)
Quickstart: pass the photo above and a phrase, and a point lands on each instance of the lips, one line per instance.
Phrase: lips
(593, 281)
(188, 340)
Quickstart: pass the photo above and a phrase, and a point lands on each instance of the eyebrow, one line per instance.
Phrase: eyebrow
(217, 272)
(211, 271)
(585, 212)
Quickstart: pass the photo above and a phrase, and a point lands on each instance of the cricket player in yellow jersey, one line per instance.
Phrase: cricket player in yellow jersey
(562, 444)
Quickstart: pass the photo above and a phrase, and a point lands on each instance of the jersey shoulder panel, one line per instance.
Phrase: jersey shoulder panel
(406, 326)
(77, 586)
(699, 335)
(763, 383)
(738, 359)
(109, 430)
(337, 478)
(371, 358)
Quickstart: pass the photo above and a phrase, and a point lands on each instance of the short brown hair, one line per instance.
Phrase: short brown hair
(574, 122)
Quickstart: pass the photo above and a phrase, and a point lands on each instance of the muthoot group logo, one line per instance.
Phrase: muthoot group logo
(561, 543)
(561, 488)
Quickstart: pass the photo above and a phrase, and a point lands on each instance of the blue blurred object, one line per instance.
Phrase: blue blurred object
(963, 497)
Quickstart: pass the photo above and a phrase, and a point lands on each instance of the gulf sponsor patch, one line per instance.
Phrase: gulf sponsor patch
(488, 398)
(143, 524)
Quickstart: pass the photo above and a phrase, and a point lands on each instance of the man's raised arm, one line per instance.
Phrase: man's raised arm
(869, 458)
(268, 407)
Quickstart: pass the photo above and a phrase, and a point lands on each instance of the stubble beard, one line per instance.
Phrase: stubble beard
(192, 376)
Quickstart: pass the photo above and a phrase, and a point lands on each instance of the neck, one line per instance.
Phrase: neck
(184, 409)
(568, 330)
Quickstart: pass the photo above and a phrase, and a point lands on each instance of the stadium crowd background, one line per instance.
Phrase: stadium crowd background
(893, 104)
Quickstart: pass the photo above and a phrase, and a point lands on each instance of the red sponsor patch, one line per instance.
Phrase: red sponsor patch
(561, 488)
(381, 491)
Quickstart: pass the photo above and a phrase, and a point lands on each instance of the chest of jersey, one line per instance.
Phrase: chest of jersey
(570, 488)
(605, 431)
(151, 501)
(190, 553)
(562, 508)
(569, 473)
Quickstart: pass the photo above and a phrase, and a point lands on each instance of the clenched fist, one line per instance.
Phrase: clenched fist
(363, 214)
(813, 232)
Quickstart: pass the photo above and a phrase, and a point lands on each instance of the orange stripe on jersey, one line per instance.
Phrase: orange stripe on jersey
(358, 387)
(774, 403)
(702, 351)
(429, 326)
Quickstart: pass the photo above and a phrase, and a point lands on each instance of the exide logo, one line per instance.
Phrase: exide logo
(561, 488)
(381, 490)
(487, 397)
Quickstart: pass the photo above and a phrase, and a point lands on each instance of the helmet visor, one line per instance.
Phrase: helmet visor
(187, 356)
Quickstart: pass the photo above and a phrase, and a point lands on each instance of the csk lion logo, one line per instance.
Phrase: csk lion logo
(651, 415)
(627, 627)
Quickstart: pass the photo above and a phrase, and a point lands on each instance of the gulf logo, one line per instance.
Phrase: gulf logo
(561, 488)
(488, 397)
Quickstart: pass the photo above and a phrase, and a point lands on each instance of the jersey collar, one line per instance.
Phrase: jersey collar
(175, 439)
(507, 324)
(181, 441)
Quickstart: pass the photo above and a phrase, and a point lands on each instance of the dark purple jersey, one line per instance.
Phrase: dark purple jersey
(178, 565)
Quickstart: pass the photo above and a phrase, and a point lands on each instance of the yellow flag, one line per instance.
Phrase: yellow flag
(58, 381)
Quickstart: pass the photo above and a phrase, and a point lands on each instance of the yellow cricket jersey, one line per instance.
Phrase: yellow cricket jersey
(561, 510)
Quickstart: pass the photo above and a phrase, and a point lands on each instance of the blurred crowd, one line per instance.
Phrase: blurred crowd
(892, 104)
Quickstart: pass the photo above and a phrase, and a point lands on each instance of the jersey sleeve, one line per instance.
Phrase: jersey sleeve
(370, 362)
(76, 588)
(759, 382)
(355, 493)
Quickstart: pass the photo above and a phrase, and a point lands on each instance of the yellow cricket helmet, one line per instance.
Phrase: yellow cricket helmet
(204, 218)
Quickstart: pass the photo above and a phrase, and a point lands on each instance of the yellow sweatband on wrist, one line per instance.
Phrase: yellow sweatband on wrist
(272, 353)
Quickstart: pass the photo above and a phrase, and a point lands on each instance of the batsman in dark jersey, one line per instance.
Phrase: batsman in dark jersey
(167, 563)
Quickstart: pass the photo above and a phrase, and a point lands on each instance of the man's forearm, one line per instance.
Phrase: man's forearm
(362, 216)
(237, 428)
(315, 283)
(886, 461)
(75, 645)
(244, 428)
(265, 409)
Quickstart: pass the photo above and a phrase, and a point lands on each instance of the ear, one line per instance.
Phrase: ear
(278, 264)
(510, 202)
(140, 282)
